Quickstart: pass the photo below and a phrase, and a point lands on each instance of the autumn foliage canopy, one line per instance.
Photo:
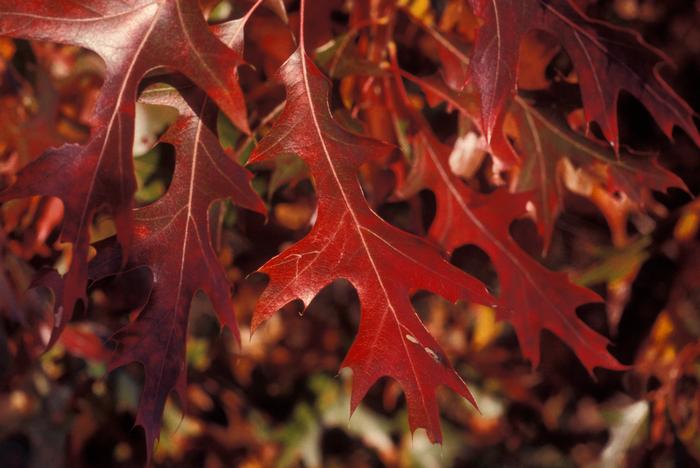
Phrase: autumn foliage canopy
(417, 127)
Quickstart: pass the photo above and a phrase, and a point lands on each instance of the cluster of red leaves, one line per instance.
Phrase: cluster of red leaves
(538, 148)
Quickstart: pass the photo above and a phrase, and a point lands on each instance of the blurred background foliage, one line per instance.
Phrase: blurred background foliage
(278, 400)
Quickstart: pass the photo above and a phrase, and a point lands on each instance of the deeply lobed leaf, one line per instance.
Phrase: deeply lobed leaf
(349, 241)
(607, 60)
(99, 175)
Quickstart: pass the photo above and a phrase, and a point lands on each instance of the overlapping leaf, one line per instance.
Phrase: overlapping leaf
(533, 297)
(172, 237)
(545, 140)
(132, 38)
(542, 140)
(607, 60)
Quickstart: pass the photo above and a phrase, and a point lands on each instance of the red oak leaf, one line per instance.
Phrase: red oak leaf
(348, 240)
(533, 297)
(546, 139)
(607, 60)
(172, 237)
(132, 38)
